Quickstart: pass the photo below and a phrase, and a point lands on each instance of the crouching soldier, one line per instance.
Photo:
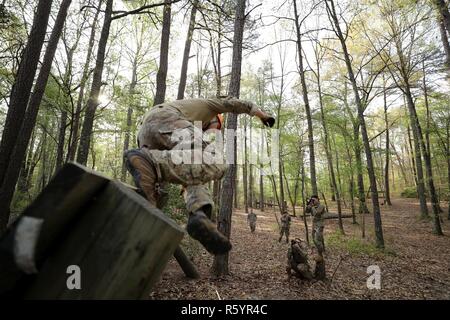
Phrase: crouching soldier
(298, 260)
(251, 219)
(162, 135)
(285, 226)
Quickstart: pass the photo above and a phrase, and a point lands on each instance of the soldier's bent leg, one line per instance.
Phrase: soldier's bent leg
(305, 271)
(318, 240)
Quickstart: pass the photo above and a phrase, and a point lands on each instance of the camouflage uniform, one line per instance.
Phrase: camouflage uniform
(285, 225)
(317, 228)
(298, 260)
(156, 139)
(251, 218)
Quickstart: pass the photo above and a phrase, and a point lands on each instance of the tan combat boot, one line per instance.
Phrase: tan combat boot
(204, 230)
(143, 171)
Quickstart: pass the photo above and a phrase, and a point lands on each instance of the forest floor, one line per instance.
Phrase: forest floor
(414, 265)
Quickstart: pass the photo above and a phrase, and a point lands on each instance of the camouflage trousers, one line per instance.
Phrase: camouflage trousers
(252, 226)
(317, 235)
(284, 231)
(169, 139)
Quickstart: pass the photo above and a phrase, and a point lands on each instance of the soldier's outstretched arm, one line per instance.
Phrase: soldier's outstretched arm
(233, 105)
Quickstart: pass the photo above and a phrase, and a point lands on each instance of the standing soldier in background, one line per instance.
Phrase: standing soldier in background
(285, 225)
(152, 165)
(251, 219)
(317, 211)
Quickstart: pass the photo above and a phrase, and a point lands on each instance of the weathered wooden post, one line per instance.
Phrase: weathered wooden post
(103, 230)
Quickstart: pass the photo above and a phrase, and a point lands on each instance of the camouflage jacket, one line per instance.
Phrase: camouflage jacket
(297, 253)
(251, 217)
(318, 212)
(285, 221)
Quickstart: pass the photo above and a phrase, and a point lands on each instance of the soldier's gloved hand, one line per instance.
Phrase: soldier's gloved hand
(268, 121)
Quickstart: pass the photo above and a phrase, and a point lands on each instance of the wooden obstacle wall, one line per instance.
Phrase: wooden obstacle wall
(118, 241)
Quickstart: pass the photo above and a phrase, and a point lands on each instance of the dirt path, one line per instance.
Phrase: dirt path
(416, 265)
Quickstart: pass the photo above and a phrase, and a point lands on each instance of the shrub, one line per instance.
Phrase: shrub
(409, 192)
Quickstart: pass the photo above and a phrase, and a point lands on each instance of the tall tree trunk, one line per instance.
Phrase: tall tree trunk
(445, 43)
(387, 150)
(427, 147)
(328, 152)
(22, 184)
(261, 178)
(362, 208)
(220, 265)
(164, 55)
(187, 49)
(420, 146)
(250, 167)
(131, 91)
(312, 159)
(448, 166)
(18, 154)
(418, 159)
(444, 13)
(236, 188)
(75, 122)
(359, 172)
(21, 88)
(92, 104)
(244, 168)
(412, 157)
(61, 140)
(370, 168)
(305, 223)
(282, 197)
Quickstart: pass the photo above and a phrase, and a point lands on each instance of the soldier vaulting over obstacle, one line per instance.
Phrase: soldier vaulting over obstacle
(152, 165)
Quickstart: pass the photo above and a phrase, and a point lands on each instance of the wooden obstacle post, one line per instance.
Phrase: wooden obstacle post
(186, 264)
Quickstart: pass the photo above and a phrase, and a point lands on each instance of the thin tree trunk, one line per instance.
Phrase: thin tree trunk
(164, 56)
(244, 168)
(444, 13)
(417, 152)
(420, 143)
(445, 43)
(187, 49)
(412, 157)
(131, 91)
(21, 89)
(75, 123)
(220, 264)
(18, 154)
(261, 179)
(312, 159)
(305, 223)
(448, 166)
(387, 150)
(370, 168)
(328, 152)
(61, 140)
(86, 131)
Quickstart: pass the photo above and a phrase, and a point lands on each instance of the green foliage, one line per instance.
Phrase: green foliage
(409, 192)
(175, 207)
(354, 245)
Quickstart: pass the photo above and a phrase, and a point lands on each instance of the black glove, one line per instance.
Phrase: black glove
(268, 122)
